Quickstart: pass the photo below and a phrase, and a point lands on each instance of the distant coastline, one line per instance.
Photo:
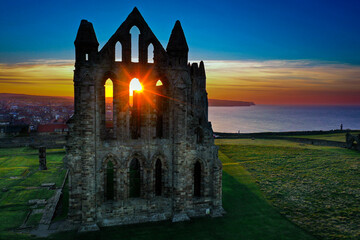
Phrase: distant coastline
(228, 103)
(69, 100)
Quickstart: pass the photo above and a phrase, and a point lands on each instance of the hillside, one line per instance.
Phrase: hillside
(23, 98)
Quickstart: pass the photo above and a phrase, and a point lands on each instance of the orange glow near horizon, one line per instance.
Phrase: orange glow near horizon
(263, 82)
(47, 78)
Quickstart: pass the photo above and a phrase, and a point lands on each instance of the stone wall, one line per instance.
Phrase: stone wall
(34, 140)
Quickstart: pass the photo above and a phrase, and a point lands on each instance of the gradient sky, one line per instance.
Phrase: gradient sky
(269, 52)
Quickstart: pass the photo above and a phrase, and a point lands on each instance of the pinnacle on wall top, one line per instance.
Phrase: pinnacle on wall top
(177, 41)
(86, 34)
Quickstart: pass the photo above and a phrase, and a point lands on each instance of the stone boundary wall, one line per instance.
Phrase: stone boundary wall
(283, 136)
(34, 140)
(274, 134)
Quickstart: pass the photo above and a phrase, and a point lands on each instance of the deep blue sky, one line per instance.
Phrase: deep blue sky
(215, 29)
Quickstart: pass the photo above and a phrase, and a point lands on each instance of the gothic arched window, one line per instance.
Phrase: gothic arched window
(197, 179)
(135, 33)
(135, 101)
(158, 178)
(150, 53)
(159, 109)
(109, 104)
(110, 181)
(135, 181)
(118, 52)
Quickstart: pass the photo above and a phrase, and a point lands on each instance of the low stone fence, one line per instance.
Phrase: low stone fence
(277, 134)
(34, 140)
(287, 136)
(318, 142)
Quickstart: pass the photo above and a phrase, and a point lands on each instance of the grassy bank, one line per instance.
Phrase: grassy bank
(315, 187)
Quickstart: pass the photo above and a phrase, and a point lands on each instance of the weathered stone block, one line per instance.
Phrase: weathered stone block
(42, 158)
(180, 217)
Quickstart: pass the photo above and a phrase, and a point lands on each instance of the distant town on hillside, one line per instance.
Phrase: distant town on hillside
(20, 113)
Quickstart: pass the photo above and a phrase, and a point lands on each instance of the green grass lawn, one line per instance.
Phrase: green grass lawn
(338, 137)
(272, 189)
(20, 175)
(316, 187)
(249, 215)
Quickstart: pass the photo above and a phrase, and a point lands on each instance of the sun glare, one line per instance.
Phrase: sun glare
(135, 85)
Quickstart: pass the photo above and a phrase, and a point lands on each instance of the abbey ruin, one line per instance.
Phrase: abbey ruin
(148, 153)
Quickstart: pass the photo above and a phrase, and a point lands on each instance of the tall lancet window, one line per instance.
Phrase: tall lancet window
(118, 52)
(150, 53)
(135, 33)
(159, 109)
(135, 102)
(110, 181)
(135, 181)
(197, 179)
(158, 178)
(109, 104)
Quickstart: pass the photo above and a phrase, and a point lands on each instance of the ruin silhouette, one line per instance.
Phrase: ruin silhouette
(155, 159)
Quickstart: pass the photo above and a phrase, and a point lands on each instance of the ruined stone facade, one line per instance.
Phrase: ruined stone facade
(155, 159)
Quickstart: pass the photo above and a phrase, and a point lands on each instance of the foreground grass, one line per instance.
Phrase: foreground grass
(249, 215)
(19, 174)
(315, 187)
(338, 137)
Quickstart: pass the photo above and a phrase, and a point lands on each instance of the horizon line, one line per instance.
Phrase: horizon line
(255, 104)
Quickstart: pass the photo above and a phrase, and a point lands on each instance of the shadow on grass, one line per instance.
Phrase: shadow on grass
(248, 216)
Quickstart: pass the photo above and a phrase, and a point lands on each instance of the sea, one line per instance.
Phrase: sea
(279, 118)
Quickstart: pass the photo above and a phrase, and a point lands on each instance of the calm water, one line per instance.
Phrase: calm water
(265, 118)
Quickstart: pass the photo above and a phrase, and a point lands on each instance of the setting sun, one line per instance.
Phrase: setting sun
(135, 85)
